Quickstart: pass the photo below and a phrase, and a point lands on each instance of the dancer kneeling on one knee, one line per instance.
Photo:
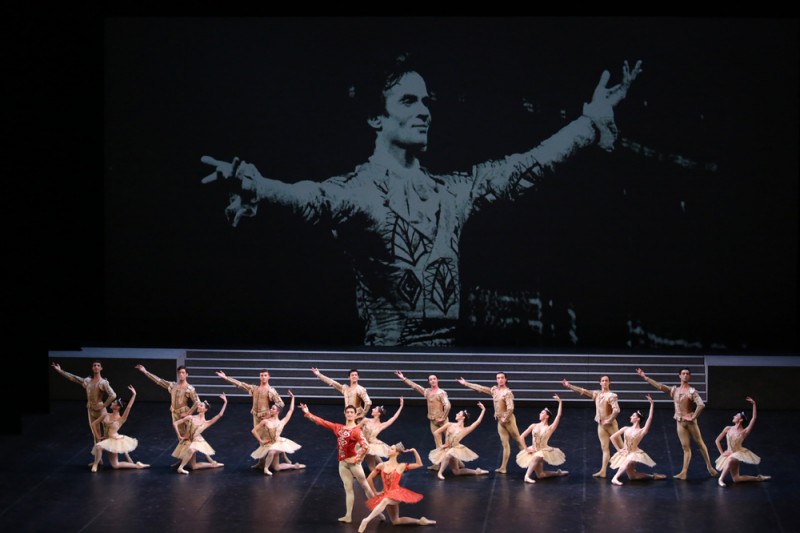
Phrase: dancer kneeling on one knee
(626, 441)
(736, 454)
(452, 453)
(194, 437)
(540, 452)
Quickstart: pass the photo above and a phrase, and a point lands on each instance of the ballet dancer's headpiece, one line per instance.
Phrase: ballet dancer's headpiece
(548, 411)
(381, 409)
(743, 416)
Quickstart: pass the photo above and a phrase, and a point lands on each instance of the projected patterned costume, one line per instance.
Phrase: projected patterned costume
(402, 225)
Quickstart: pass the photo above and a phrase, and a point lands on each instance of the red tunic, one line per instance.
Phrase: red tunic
(393, 491)
(346, 438)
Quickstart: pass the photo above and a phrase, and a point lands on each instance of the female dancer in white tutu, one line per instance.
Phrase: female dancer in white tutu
(268, 432)
(194, 435)
(452, 452)
(628, 452)
(731, 459)
(393, 494)
(539, 452)
(371, 427)
(114, 442)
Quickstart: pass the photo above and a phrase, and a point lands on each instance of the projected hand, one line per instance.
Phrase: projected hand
(247, 174)
(601, 108)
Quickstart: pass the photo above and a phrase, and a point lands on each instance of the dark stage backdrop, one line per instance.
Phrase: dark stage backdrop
(684, 238)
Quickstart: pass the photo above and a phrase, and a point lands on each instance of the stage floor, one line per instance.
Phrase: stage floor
(47, 485)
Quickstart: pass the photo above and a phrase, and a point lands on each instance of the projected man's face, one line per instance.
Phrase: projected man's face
(407, 117)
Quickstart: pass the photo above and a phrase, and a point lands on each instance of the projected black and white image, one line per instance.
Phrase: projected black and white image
(560, 184)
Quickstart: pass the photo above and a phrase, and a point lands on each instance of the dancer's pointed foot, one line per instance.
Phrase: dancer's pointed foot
(425, 522)
(94, 467)
(601, 474)
(346, 519)
(298, 466)
(529, 480)
(481, 471)
(439, 475)
(267, 472)
(215, 464)
(659, 476)
(140, 464)
(182, 471)
(721, 483)
(763, 478)
(615, 482)
(560, 472)
(363, 526)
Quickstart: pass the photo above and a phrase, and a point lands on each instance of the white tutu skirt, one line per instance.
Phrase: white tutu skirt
(639, 456)
(744, 455)
(282, 445)
(459, 452)
(378, 448)
(551, 456)
(119, 444)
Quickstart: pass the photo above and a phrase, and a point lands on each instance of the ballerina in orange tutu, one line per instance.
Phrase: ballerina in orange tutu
(736, 454)
(393, 494)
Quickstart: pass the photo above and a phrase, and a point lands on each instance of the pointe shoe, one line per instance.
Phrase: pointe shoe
(659, 476)
(94, 467)
(615, 482)
(298, 466)
(439, 475)
(142, 465)
(763, 478)
(562, 472)
(721, 483)
(182, 471)
(363, 526)
(481, 471)
(425, 522)
(267, 472)
(217, 465)
(529, 480)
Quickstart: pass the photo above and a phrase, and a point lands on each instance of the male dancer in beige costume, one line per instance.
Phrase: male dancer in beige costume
(354, 394)
(264, 396)
(180, 393)
(503, 400)
(438, 406)
(688, 406)
(606, 411)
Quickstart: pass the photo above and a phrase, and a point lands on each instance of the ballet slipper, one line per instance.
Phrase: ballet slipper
(182, 471)
(562, 472)
(616, 482)
(761, 477)
(267, 472)
(298, 466)
(94, 467)
(439, 475)
(721, 483)
(140, 464)
(217, 465)
(425, 522)
(363, 526)
(659, 476)
(529, 480)
(481, 471)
